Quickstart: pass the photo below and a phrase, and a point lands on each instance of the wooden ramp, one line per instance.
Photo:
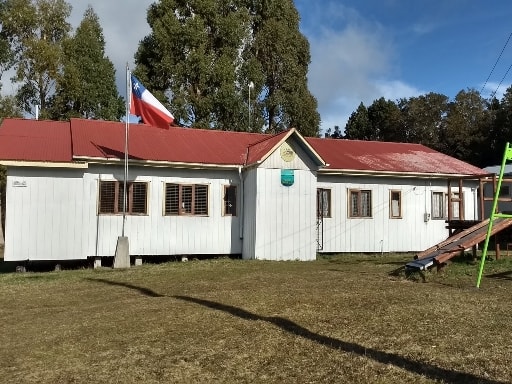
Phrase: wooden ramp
(444, 251)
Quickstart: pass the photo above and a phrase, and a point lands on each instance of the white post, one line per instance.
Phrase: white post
(251, 86)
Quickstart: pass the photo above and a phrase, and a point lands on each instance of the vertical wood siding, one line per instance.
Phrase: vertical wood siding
(285, 216)
(55, 216)
(51, 214)
(44, 215)
(157, 234)
(380, 233)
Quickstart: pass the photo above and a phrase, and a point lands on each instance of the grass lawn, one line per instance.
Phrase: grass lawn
(342, 319)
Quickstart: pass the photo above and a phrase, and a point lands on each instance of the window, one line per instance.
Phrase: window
(111, 198)
(395, 204)
(230, 200)
(504, 191)
(440, 205)
(360, 203)
(323, 202)
(186, 199)
(438, 202)
(456, 214)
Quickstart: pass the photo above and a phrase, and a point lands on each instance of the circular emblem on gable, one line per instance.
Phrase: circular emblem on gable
(287, 153)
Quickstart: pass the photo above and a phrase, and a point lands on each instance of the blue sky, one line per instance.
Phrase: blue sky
(362, 50)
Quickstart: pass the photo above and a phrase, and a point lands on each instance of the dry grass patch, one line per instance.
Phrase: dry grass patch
(338, 319)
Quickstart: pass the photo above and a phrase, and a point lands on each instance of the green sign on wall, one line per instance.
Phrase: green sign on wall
(287, 177)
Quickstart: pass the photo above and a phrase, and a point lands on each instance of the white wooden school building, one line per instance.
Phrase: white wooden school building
(207, 192)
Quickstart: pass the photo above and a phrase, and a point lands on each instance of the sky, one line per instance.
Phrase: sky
(362, 50)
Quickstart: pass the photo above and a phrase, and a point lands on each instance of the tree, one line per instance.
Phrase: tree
(35, 31)
(86, 88)
(466, 124)
(193, 55)
(386, 121)
(203, 54)
(282, 56)
(336, 134)
(424, 119)
(358, 125)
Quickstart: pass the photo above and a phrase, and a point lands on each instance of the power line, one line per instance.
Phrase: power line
(498, 59)
(503, 78)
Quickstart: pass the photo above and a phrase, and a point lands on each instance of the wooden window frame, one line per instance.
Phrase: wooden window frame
(359, 193)
(442, 199)
(185, 206)
(230, 205)
(391, 215)
(116, 203)
(444, 205)
(320, 192)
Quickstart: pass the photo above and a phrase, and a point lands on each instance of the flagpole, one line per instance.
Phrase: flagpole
(127, 124)
(122, 255)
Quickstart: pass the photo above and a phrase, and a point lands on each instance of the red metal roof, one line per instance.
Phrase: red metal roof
(50, 141)
(32, 140)
(362, 155)
(258, 150)
(100, 139)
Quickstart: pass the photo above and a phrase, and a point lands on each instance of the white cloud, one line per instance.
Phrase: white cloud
(493, 88)
(351, 65)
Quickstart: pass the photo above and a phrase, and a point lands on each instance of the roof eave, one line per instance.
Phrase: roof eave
(423, 175)
(157, 163)
(44, 164)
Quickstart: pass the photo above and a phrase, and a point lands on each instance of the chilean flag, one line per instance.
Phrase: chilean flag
(147, 107)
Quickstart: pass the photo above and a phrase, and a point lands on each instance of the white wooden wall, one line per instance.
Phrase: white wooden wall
(54, 216)
(280, 220)
(44, 215)
(380, 233)
(51, 214)
(156, 234)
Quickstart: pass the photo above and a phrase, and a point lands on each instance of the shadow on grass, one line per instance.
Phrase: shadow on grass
(142, 290)
(420, 368)
(501, 276)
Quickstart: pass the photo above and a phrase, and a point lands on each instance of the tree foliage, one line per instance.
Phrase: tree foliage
(35, 31)
(203, 54)
(468, 127)
(86, 87)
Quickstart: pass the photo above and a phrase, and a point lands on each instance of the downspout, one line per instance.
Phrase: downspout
(242, 204)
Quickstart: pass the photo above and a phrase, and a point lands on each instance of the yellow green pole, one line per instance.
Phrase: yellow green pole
(506, 155)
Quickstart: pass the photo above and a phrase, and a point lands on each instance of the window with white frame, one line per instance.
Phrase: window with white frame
(360, 203)
(186, 199)
(111, 200)
(395, 204)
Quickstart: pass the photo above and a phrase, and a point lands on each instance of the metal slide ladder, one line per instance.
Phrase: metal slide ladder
(506, 156)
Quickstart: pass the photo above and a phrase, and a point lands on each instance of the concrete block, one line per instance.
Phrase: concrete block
(122, 256)
(138, 261)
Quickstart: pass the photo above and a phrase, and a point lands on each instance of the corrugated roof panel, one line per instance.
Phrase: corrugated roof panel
(35, 140)
(31, 140)
(185, 145)
(377, 156)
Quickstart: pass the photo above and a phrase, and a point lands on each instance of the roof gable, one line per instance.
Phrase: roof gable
(261, 150)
